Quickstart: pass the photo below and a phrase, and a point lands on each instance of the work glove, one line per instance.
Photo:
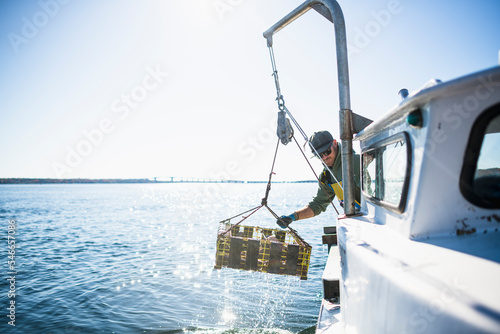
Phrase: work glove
(286, 220)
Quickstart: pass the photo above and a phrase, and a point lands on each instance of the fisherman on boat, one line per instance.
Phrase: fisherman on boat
(330, 181)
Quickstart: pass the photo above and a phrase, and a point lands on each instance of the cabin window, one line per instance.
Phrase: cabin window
(480, 178)
(386, 167)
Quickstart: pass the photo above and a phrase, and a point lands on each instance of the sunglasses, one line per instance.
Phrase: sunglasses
(325, 153)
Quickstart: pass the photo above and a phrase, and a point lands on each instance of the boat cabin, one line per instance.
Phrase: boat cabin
(423, 255)
(431, 166)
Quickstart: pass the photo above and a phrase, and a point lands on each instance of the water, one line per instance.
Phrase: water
(138, 258)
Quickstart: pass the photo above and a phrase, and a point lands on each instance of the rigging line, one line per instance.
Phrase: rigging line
(275, 71)
(264, 200)
(240, 214)
(268, 188)
(279, 98)
(245, 217)
(281, 106)
(296, 124)
(292, 231)
(311, 146)
(319, 182)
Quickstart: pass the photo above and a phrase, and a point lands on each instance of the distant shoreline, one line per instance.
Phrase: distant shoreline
(126, 181)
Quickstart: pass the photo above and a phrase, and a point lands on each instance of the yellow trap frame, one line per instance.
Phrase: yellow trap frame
(260, 249)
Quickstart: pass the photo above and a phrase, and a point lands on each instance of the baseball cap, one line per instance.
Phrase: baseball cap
(321, 141)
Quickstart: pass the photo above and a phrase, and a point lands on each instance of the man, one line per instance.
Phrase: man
(329, 151)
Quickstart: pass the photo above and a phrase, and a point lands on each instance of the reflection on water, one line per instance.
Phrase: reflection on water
(139, 258)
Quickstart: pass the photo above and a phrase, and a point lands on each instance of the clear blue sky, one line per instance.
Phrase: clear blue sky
(122, 88)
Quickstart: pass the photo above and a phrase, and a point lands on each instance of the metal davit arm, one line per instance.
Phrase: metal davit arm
(330, 9)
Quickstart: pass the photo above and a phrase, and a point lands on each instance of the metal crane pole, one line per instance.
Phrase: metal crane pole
(330, 9)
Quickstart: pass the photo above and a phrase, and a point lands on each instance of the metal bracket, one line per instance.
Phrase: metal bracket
(359, 122)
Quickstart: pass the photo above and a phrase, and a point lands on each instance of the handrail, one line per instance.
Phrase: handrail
(331, 10)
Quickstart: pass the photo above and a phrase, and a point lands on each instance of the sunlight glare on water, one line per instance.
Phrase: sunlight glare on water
(227, 316)
(93, 257)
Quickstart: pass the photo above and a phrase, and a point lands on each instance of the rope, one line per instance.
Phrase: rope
(311, 146)
(281, 107)
(229, 219)
(264, 200)
(264, 204)
(257, 208)
(292, 231)
(297, 125)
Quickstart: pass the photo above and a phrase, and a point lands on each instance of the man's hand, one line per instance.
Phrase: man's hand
(284, 221)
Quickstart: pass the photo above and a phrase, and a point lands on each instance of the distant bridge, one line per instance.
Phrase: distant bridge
(174, 179)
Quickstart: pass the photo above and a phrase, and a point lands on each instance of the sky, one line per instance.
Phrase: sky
(183, 88)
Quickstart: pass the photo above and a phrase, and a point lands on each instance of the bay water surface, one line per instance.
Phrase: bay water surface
(139, 258)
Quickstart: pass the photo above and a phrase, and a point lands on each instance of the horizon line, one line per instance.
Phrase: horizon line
(15, 180)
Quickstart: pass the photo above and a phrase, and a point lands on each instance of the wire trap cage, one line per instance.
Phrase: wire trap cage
(260, 249)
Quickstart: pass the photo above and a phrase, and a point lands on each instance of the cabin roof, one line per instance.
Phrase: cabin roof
(431, 90)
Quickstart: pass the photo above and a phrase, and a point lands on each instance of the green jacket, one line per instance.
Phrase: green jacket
(325, 194)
